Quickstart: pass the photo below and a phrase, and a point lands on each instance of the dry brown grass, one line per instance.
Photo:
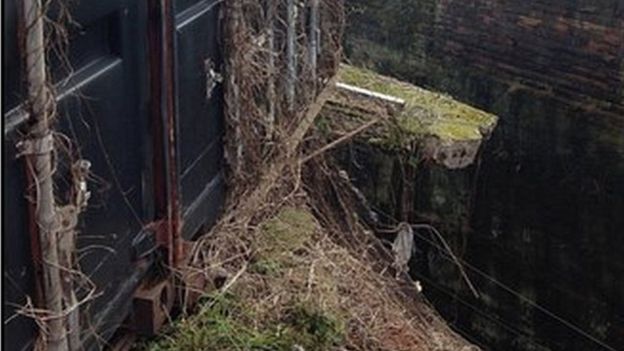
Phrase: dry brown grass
(301, 271)
(288, 259)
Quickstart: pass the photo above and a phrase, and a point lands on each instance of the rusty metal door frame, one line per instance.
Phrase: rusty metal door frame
(162, 109)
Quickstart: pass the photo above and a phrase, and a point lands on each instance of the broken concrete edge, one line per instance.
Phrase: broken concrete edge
(446, 130)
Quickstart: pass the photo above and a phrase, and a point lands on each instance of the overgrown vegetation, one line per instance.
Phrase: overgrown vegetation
(302, 273)
(250, 316)
(299, 289)
(226, 323)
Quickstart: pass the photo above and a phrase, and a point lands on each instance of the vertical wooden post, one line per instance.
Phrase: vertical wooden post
(314, 41)
(291, 53)
(234, 14)
(271, 17)
(41, 158)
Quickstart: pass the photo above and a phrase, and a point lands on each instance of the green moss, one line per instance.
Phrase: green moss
(317, 329)
(425, 112)
(213, 328)
(285, 233)
(266, 266)
(226, 324)
(240, 320)
(323, 126)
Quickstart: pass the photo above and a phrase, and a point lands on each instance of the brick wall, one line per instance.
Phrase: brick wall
(571, 50)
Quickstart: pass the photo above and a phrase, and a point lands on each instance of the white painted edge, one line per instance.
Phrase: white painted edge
(370, 93)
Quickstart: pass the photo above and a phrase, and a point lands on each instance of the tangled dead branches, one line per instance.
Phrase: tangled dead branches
(280, 54)
(290, 235)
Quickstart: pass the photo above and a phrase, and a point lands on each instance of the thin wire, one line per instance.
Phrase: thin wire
(506, 326)
(448, 249)
(116, 181)
(511, 291)
(522, 297)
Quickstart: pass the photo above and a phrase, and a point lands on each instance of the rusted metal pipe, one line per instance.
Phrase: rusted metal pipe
(39, 154)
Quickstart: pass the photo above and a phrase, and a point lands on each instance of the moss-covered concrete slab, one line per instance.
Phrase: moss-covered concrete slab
(446, 130)
(425, 112)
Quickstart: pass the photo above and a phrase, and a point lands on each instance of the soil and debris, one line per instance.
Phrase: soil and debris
(293, 264)
(296, 265)
(300, 290)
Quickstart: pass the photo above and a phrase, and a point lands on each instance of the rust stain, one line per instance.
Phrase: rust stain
(174, 210)
(162, 112)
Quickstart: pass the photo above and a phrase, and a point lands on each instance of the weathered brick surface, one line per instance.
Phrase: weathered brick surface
(572, 50)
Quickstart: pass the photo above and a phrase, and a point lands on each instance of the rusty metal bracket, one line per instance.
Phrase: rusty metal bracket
(35, 146)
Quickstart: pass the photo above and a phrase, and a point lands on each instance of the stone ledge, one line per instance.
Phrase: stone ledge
(445, 130)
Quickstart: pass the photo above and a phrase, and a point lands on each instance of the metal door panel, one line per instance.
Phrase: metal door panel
(105, 108)
(18, 276)
(107, 119)
(101, 108)
(12, 90)
(110, 138)
(199, 113)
